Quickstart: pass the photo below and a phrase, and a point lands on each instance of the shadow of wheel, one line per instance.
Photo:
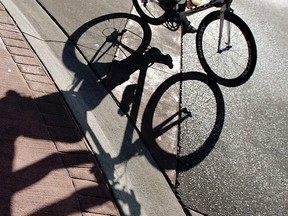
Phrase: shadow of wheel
(103, 39)
(150, 133)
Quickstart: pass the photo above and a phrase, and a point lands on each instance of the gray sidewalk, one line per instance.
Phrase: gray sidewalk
(133, 175)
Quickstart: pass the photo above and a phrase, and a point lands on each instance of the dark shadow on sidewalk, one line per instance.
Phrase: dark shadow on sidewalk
(116, 57)
(35, 119)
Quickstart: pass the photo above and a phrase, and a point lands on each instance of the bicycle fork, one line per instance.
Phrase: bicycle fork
(224, 8)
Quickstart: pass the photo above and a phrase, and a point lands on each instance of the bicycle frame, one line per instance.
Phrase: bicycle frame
(224, 7)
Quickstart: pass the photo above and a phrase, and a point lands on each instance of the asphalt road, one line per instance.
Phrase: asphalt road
(234, 147)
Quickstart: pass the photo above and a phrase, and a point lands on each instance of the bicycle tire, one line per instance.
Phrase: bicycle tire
(224, 75)
(152, 12)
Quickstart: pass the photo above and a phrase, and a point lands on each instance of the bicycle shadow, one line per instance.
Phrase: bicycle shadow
(116, 33)
(113, 70)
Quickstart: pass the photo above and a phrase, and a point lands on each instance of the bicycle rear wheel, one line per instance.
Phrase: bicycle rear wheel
(151, 11)
(235, 63)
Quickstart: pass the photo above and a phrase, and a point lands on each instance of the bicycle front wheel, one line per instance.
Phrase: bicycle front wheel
(232, 62)
(151, 10)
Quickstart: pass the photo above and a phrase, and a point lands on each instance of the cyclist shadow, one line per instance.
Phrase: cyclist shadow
(115, 71)
(20, 117)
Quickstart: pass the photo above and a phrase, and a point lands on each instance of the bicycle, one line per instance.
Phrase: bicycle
(226, 50)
